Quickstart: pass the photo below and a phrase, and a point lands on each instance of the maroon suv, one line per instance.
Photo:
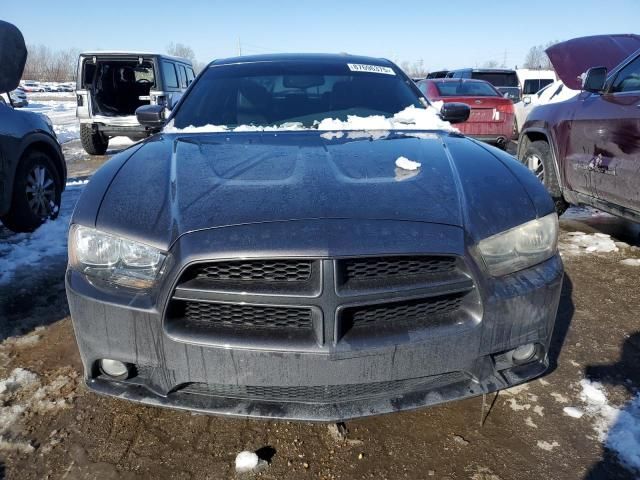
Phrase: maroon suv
(586, 150)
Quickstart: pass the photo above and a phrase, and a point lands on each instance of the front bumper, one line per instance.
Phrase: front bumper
(331, 379)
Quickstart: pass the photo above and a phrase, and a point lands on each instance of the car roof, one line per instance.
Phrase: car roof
(132, 53)
(453, 80)
(305, 57)
(485, 70)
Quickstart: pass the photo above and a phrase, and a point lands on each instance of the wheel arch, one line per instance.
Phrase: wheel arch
(530, 135)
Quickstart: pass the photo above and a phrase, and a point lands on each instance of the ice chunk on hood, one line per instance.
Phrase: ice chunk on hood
(406, 164)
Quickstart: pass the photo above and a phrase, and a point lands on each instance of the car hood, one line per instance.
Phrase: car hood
(572, 58)
(176, 184)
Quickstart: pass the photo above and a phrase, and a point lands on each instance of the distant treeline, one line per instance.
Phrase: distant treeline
(47, 65)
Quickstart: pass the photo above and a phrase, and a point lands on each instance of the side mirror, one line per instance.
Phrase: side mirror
(151, 116)
(455, 112)
(595, 79)
(526, 100)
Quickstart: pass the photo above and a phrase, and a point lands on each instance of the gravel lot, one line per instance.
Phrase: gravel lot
(52, 427)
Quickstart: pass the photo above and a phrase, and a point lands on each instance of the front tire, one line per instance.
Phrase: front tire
(93, 142)
(37, 192)
(537, 157)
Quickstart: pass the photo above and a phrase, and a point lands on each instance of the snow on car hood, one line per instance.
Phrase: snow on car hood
(572, 58)
(411, 118)
(180, 183)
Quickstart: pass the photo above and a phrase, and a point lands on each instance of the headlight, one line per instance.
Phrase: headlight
(521, 247)
(114, 259)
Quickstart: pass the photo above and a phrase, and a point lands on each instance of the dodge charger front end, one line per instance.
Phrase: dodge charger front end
(268, 255)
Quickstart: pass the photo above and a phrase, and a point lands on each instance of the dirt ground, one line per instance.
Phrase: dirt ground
(67, 432)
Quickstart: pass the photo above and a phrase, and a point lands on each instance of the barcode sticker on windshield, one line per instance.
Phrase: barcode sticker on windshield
(358, 67)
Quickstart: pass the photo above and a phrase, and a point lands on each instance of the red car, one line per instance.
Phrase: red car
(492, 117)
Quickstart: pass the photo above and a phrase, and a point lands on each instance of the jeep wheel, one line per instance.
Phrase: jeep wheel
(537, 157)
(37, 191)
(93, 142)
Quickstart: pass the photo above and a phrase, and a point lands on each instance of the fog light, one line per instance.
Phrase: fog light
(524, 353)
(114, 368)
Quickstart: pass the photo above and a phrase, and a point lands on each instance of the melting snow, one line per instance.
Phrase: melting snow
(23, 392)
(558, 397)
(246, 461)
(544, 445)
(411, 118)
(580, 242)
(21, 251)
(618, 428)
(406, 164)
(573, 412)
(631, 262)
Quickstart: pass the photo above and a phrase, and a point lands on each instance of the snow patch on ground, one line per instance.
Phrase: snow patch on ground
(617, 428)
(27, 250)
(631, 262)
(24, 392)
(529, 422)
(573, 412)
(548, 446)
(22, 252)
(62, 114)
(558, 397)
(579, 242)
(411, 118)
(247, 462)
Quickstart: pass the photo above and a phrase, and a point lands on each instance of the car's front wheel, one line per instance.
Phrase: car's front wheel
(37, 192)
(93, 142)
(537, 157)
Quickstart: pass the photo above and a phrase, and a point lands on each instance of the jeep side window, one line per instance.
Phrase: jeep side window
(190, 76)
(628, 79)
(169, 74)
(183, 76)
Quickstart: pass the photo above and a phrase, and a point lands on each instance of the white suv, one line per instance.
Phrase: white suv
(112, 85)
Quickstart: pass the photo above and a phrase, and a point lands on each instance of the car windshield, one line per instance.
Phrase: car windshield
(466, 89)
(275, 93)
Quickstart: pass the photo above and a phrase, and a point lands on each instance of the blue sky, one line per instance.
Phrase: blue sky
(446, 33)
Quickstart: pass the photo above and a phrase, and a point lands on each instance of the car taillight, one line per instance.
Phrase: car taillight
(505, 108)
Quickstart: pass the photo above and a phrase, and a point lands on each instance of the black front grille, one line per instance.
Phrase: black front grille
(415, 312)
(323, 393)
(374, 268)
(205, 315)
(255, 270)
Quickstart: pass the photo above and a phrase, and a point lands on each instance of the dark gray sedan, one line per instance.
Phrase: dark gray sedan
(308, 239)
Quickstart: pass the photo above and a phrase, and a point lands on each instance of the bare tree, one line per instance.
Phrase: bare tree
(185, 51)
(491, 64)
(537, 58)
(181, 50)
(44, 64)
(414, 69)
